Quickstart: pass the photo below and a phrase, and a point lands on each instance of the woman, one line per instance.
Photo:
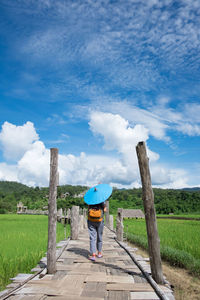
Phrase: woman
(95, 228)
(95, 198)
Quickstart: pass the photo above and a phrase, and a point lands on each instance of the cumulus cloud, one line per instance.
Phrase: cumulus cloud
(159, 118)
(16, 140)
(120, 136)
(33, 166)
(154, 124)
(168, 178)
(116, 131)
(8, 172)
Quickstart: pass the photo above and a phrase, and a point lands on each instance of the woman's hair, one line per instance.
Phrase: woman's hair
(100, 205)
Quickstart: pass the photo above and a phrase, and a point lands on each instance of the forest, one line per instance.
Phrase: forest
(166, 200)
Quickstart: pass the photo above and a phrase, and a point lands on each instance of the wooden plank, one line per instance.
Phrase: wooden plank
(144, 296)
(118, 295)
(62, 267)
(81, 260)
(109, 279)
(98, 268)
(71, 297)
(139, 278)
(34, 290)
(21, 277)
(86, 272)
(165, 288)
(27, 297)
(136, 287)
(87, 265)
(72, 284)
(12, 285)
(94, 289)
(117, 272)
(68, 261)
(60, 274)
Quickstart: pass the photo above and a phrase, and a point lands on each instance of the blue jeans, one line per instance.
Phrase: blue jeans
(95, 232)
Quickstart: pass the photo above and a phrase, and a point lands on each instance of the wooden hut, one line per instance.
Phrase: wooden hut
(133, 213)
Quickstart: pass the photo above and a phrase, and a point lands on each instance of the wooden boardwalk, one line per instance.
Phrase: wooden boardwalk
(113, 277)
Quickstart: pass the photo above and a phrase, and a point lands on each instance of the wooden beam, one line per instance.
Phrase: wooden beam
(107, 220)
(119, 225)
(150, 214)
(74, 222)
(52, 216)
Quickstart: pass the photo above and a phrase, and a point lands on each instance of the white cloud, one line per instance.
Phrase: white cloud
(159, 118)
(33, 167)
(160, 33)
(120, 170)
(8, 172)
(16, 140)
(168, 178)
(192, 112)
(189, 129)
(184, 119)
(116, 131)
(153, 123)
(118, 135)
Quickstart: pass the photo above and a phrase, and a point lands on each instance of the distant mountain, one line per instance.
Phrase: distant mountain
(166, 200)
(8, 187)
(193, 189)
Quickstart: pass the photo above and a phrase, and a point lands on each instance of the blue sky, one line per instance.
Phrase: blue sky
(93, 78)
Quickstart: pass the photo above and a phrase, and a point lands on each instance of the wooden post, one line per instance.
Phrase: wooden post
(69, 215)
(150, 214)
(84, 218)
(59, 215)
(107, 214)
(65, 222)
(74, 222)
(111, 222)
(80, 223)
(119, 225)
(52, 216)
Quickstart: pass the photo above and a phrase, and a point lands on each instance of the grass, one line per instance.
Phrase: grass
(23, 242)
(179, 241)
(189, 215)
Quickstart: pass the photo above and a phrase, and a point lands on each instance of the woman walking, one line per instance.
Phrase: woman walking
(95, 198)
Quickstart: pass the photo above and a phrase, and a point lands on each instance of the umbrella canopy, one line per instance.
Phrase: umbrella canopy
(98, 194)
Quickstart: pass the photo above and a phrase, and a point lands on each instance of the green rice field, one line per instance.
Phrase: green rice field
(190, 216)
(23, 242)
(179, 240)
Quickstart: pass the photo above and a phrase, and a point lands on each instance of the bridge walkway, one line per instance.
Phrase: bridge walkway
(112, 277)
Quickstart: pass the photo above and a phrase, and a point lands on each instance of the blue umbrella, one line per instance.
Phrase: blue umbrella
(98, 194)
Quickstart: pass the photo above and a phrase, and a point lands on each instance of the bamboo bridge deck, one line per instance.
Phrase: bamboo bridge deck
(113, 277)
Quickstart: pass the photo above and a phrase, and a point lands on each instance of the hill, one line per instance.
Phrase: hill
(166, 200)
(36, 198)
(7, 187)
(193, 189)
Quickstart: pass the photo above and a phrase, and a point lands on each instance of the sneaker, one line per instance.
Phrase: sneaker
(92, 257)
(99, 255)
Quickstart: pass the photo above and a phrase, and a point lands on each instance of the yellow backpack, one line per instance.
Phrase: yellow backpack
(95, 214)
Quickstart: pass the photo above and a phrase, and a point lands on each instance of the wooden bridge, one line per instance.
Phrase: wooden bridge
(114, 276)
(120, 274)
